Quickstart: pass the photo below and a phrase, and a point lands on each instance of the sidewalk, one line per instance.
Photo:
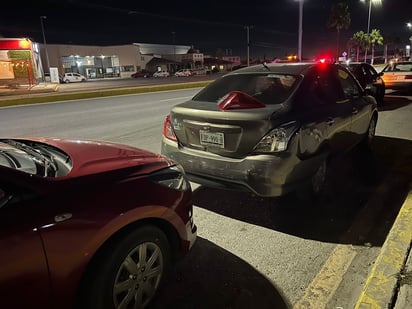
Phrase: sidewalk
(27, 89)
(389, 284)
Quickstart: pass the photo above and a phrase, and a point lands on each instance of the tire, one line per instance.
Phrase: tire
(380, 95)
(317, 184)
(120, 279)
(67, 81)
(370, 134)
(318, 180)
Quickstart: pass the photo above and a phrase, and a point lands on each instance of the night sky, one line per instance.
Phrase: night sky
(207, 25)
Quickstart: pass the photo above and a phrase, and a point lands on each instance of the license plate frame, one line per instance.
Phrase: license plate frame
(216, 139)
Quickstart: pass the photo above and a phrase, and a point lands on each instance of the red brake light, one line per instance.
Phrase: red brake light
(168, 129)
(239, 100)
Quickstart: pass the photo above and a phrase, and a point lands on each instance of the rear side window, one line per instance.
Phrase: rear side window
(347, 83)
(320, 87)
(268, 88)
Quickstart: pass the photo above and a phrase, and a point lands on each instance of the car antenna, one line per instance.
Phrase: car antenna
(266, 66)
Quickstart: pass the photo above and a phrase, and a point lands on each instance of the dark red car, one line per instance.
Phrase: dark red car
(143, 73)
(87, 224)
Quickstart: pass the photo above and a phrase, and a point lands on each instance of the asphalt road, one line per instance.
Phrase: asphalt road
(255, 252)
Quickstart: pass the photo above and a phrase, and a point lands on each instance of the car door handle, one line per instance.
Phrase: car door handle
(62, 217)
(330, 121)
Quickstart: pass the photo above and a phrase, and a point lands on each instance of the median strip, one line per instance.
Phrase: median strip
(31, 97)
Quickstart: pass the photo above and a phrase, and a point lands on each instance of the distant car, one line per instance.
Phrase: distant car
(88, 224)
(183, 73)
(161, 74)
(271, 129)
(73, 78)
(143, 74)
(369, 79)
(398, 75)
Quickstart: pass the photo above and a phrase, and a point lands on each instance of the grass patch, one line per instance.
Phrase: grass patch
(54, 97)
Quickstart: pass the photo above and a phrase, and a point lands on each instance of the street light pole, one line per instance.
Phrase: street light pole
(174, 49)
(44, 41)
(376, 2)
(369, 15)
(300, 30)
(248, 42)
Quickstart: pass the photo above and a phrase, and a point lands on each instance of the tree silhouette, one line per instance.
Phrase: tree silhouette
(388, 41)
(339, 19)
(360, 41)
(375, 37)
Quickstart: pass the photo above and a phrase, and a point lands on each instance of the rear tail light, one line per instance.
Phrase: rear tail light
(408, 76)
(277, 140)
(168, 129)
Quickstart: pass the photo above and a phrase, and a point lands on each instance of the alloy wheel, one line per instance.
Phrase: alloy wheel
(138, 276)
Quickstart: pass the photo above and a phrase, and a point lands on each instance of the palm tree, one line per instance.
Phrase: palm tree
(360, 41)
(375, 38)
(339, 19)
(389, 40)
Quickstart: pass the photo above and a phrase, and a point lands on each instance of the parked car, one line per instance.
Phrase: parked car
(88, 224)
(184, 73)
(143, 73)
(398, 75)
(73, 78)
(369, 79)
(161, 74)
(271, 129)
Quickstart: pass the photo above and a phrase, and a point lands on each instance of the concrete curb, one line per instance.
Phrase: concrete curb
(382, 284)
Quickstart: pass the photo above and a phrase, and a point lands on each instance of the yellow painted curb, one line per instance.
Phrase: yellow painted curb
(380, 286)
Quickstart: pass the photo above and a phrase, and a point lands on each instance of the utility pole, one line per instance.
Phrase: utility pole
(248, 27)
(44, 41)
(300, 30)
(174, 50)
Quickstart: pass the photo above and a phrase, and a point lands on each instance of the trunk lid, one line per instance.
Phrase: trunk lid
(232, 133)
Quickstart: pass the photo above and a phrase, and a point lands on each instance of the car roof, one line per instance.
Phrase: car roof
(358, 63)
(295, 68)
(402, 62)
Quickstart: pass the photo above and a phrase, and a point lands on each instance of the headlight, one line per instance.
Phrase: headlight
(277, 139)
(172, 177)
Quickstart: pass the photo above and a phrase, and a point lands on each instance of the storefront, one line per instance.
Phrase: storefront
(20, 62)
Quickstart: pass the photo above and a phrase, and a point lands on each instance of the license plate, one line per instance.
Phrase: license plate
(212, 138)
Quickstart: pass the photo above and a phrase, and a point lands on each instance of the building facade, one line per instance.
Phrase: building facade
(20, 62)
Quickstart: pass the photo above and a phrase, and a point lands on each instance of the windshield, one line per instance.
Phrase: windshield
(268, 88)
(34, 158)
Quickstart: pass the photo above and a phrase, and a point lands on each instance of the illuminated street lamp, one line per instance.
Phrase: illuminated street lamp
(409, 25)
(375, 2)
(44, 41)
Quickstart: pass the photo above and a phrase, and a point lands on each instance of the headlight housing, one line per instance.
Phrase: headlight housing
(277, 140)
(172, 177)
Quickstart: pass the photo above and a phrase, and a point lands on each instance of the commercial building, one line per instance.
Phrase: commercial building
(25, 62)
(20, 62)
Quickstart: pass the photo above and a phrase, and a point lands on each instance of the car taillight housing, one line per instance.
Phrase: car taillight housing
(168, 129)
(277, 140)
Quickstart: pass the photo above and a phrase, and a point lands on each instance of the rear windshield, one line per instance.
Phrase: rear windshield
(268, 88)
